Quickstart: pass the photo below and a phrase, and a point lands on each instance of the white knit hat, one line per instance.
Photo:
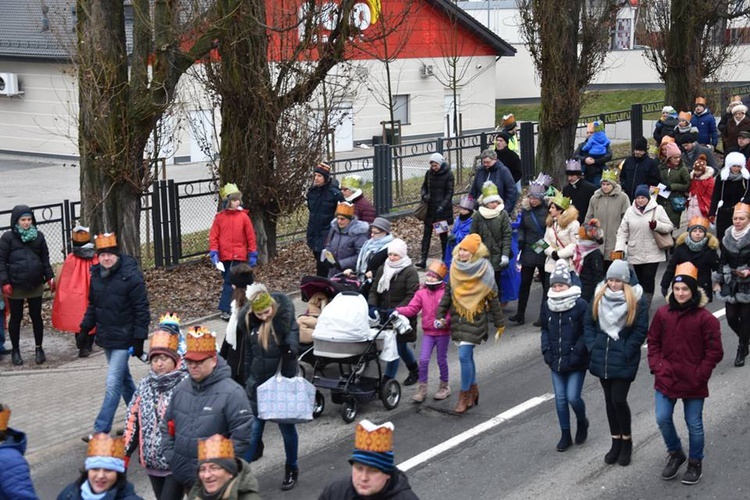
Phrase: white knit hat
(437, 158)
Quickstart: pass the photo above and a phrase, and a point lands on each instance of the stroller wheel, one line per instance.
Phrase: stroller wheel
(349, 410)
(390, 394)
(320, 404)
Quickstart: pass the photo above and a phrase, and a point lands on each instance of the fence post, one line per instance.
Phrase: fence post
(164, 228)
(439, 145)
(67, 226)
(528, 150)
(174, 228)
(156, 224)
(483, 141)
(636, 123)
(382, 179)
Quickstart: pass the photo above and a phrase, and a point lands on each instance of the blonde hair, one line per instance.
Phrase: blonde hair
(629, 299)
(265, 329)
(482, 252)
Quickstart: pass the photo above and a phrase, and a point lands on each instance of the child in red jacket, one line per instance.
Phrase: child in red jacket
(701, 188)
(427, 300)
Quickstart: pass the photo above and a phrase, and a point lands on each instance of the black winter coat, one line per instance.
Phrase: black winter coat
(731, 193)
(23, 265)
(437, 190)
(261, 364)
(592, 273)
(510, 159)
(321, 202)
(500, 175)
(637, 171)
(531, 230)
(397, 488)
(706, 260)
(403, 287)
(580, 194)
(118, 305)
(591, 171)
(563, 342)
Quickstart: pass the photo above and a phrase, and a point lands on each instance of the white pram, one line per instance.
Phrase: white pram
(343, 336)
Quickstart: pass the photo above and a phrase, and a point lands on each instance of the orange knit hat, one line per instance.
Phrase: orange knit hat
(471, 243)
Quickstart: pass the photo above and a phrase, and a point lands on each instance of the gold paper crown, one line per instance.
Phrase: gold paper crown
(170, 318)
(699, 221)
(4, 418)
(81, 234)
(560, 200)
(345, 208)
(201, 339)
(375, 438)
(686, 269)
(437, 267)
(610, 175)
(742, 207)
(228, 189)
(102, 445)
(509, 120)
(217, 446)
(105, 240)
(163, 340)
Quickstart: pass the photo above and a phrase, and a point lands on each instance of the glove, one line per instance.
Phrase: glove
(252, 259)
(214, 254)
(7, 290)
(504, 260)
(373, 312)
(554, 255)
(137, 346)
(386, 313)
(286, 351)
(126, 459)
(499, 333)
(652, 225)
(81, 340)
(51, 284)
(170, 427)
(664, 291)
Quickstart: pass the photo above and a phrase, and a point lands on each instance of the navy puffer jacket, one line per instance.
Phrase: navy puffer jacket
(118, 305)
(15, 478)
(321, 202)
(23, 265)
(563, 343)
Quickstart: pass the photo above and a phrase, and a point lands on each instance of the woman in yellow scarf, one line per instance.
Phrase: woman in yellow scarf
(471, 296)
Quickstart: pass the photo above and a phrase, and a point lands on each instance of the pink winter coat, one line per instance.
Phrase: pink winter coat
(427, 301)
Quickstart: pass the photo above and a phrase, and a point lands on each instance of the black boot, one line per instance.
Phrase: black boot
(413, 377)
(422, 264)
(40, 357)
(614, 452)
(741, 354)
(625, 452)
(693, 473)
(674, 462)
(582, 431)
(565, 441)
(15, 356)
(518, 318)
(290, 477)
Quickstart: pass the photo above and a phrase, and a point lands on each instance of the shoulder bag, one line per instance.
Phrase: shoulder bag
(421, 212)
(663, 241)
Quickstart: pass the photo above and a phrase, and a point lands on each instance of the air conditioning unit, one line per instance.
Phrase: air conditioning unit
(425, 71)
(9, 84)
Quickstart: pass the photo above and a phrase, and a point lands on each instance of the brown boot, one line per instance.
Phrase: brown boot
(421, 394)
(443, 392)
(474, 399)
(463, 402)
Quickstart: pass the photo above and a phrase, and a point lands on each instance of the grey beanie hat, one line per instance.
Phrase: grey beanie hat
(382, 224)
(561, 274)
(437, 158)
(619, 270)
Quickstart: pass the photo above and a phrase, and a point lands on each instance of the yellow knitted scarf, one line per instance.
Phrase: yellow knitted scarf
(472, 286)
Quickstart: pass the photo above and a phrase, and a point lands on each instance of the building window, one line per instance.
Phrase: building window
(401, 108)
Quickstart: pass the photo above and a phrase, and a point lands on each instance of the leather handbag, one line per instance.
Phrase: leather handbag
(663, 241)
(286, 400)
(421, 212)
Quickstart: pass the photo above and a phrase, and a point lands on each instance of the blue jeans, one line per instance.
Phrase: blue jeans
(288, 434)
(119, 383)
(568, 387)
(2, 329)
(693, 420)
(225, 301)
(405, 353)
(468, 368)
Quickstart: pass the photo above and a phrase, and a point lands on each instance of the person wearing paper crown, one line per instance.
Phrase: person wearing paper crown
(346, 237)
(119, 310)
(231, 241)
(608, 207)
(104, 475)
(147, 409)
(268, 323)
(739, 122)
(684, 347)
(732, 280)
(374, 472)
(702, 183)
(561, 234)
(15, 476)
(322, 199)
(207, 402)
(731, 187)
(351, 188)
(492, 223)
(578, 189)
(24, 269)
(71, 298)
(510, 127)
(700, 248)
(704, 121)
(471, 297)
(437, 192)
(222, 475)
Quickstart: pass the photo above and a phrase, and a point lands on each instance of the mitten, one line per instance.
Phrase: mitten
(137, 346)
(51, 284)
(504, 260)
(170, 427)
(252, 259)
(373, 312)
(652, 225)
(214, 254)
(7, 290)
(81, 340)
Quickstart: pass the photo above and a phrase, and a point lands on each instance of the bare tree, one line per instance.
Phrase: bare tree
(568, 41)
(688, 43)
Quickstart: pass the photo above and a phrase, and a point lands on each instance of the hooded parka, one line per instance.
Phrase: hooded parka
(609, 210)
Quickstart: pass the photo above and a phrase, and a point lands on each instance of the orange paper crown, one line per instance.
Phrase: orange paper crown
(345, 208)
(742, 207)
(4, 418)
(375, 438)
(163, 340)
(699, 221)
(217, 446)
(201, 339)
(105, 240)
(438, 267)
(102, 445)
(81, 234)
(686, 269)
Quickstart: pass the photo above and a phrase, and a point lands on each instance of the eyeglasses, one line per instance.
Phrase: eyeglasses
(209, 469)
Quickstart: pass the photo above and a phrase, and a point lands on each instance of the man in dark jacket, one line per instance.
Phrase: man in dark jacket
(15, 476)
(691, 150)
(208, 402)
(374, 473)
(118, 308)
(437, 192)
(579, 190)
(639, 168)
(493, 170)
(322, 198)
(704, 121)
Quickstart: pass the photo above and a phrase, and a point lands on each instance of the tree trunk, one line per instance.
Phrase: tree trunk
(682, 55)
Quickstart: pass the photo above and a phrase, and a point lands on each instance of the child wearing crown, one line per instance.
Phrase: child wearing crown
(15, 476)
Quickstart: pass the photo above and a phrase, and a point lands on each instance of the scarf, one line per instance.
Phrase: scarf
(391, 269)
(738, 235)
(472, 284)
(88, 494)
(231, 336)
(734, 177)
(491, 213)
(583, 248)
(464, 216)
(219, 494)
(613, 310)
(695, 246)
(27, 235)
(370, 248)
(563, 301)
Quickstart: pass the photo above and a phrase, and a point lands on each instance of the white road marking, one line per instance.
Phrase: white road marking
(720, 313)
(473, 432)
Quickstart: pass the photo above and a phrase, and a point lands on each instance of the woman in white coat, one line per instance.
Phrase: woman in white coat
(561, 234)
(636, 238)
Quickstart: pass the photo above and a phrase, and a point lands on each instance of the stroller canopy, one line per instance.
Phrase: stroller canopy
(344, 319)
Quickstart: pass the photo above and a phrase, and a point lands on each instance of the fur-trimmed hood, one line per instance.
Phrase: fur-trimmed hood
(701, 303)
(713, 241)
(709, 173)
(566, 218)
(724, 174)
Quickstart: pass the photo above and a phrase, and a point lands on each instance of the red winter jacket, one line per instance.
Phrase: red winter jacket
(364, 209)
(703, 189)
(684, 346)
(232, 235)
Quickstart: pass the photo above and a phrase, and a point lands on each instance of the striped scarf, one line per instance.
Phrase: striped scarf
(472, 285)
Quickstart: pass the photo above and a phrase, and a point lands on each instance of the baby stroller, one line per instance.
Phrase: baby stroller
(343, 337)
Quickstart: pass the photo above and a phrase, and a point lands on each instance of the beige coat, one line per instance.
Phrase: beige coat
(635, 237)
(561, 236)
(608, 209)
